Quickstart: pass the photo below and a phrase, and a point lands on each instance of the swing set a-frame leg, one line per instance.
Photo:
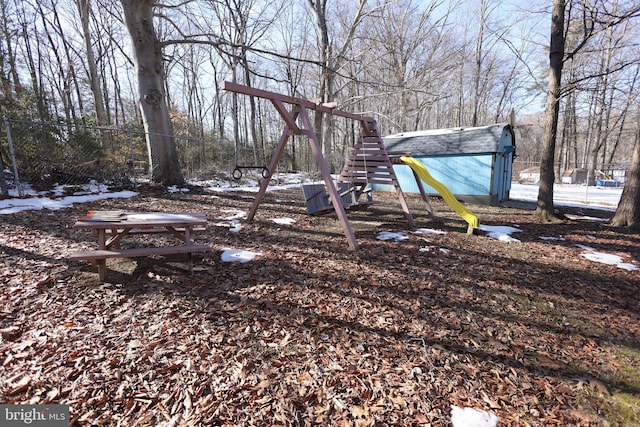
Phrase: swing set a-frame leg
(334, 196)
(322, 165)
(277, 154)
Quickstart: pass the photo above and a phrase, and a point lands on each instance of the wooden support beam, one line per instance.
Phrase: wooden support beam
(289, 118)
(325, 108)
(277, 154)
(334, 196)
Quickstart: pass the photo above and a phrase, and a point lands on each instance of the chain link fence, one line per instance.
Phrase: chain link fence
(610, 174)
(44, 156)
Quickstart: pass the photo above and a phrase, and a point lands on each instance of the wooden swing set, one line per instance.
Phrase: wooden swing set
(368, 162)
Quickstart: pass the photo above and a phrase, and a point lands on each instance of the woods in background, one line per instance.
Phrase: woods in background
(411, 64)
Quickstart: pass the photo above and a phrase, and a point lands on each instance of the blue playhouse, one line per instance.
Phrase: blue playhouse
(474, 163)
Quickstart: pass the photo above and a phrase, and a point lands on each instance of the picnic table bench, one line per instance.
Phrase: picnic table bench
(111, 227)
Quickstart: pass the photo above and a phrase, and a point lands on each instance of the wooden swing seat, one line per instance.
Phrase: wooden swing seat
(317, 199)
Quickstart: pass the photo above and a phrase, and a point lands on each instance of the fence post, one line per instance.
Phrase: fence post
(134, 172)
(12, 153)
(4, 188)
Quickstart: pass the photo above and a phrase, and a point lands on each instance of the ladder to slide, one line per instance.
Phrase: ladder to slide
(369, 163)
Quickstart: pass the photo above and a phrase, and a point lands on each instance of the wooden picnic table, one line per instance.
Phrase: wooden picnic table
(111, 227)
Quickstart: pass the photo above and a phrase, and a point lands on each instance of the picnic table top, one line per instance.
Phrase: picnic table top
(119, 219)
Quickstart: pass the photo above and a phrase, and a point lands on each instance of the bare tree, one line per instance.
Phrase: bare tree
(410, 67)
(544, 208)
(149, 67)
(484, 13)
(246, 23)
(595, 19)
(628, 211)
(84, 10)
(330, 61)
(603, 106)
(10, 79)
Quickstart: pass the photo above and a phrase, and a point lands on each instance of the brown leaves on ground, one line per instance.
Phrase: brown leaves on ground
(311, 333)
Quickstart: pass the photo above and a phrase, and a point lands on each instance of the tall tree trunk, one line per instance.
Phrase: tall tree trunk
(63, 86)
(94, 77)
(477, 71)
(631, 101)
(602, 109)
(257, 149)
(71, 81)
(319, 8)
(148, 64)
(628, 212)
(34, 73)
(9, 57)
(569, 127)
(544, 208)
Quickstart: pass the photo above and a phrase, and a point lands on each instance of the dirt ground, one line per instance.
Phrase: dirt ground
(312, 333)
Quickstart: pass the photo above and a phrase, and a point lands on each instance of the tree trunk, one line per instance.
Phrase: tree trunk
(544, 209)
(148, 64)
(602, 111)
(4, 188)
(631, 100)
(94, 77)
(319, 8)
(477, 71)
(35, 77)
(9, 57)
(628, 212)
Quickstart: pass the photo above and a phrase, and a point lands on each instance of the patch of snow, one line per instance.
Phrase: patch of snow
(235, 214)
(551, 238)
(586, 248)
(429, 231)
(470, 417)
(284, 221)
(234, 225)
(238, 255)
(175, 189)
(573, 195)
(500, 232)
(604, 258)
(586, 218)
(9, 206)
(434, 248)
(232, 221)
(388, 235)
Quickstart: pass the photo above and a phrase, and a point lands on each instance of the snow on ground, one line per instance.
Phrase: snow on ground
(9, 206)
(238, 255)
(604, 198)
(573, 195)
(500, 232)
(469, 417)
(284, 221)
(232, 221)
(593, 255)
(429, 231)
(388, 235)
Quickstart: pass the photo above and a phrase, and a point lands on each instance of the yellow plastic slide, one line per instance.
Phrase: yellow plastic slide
(423, 173)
